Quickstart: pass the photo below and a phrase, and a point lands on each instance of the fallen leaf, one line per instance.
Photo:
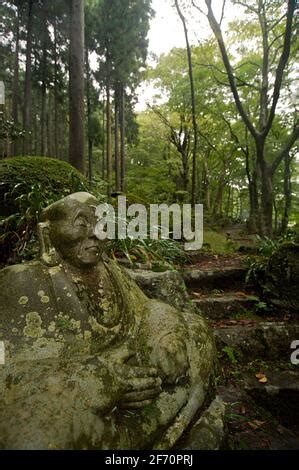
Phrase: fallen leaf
(255, 424)
(197, 294)
(263, 380)
(260, 375)
(258, 422)
(252, 425)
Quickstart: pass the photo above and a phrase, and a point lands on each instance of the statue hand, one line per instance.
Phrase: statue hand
(140, 384)
(171, 358)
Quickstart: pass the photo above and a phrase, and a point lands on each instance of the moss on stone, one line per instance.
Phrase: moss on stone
(29, 184)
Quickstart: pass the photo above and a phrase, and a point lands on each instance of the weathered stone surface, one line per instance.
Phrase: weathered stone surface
(215, 279)
(167, 286)
(208, 433)
(91, 362)
(269, 340)
(281, 281)
(225, 305)
(280, 395)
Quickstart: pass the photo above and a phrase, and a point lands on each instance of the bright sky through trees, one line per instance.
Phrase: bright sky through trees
(166, 32)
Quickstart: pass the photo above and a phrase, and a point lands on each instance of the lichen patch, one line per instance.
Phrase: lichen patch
(23, 300)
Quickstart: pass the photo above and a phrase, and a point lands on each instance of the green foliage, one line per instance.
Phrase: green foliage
(255, 270)
(28, 184)
(267, 246)
(231, 354)
(9, 130)
(217, 243)
(261, 307)
(161, 254)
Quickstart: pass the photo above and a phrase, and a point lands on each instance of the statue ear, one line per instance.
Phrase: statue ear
(48, 254)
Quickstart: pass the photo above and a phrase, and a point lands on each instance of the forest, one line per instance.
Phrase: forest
(223, 132)
(184, 341)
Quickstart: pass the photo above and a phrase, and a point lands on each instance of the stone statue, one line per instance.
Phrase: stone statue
(90, 361)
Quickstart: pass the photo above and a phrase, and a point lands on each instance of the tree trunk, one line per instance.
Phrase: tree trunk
(228, 200)
(15, 87)
(267, 201)
(252, 225)
(217, 209)
(253, 207)
(206, 193)
(193, 106)
(116, 140)
(50, 125)
(266, 113)
(122, 140)
(185, 174)
(104, 142)
(76, 73)
(267, 189)
(287, 186)
(44, 91)
(28, 85)
(90, 149)
(36, 108)
(108, 141)
(90, 137)
(55, 91)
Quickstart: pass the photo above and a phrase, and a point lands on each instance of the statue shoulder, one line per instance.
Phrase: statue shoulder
(22, 271)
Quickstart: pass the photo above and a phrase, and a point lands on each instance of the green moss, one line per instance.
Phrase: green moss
(217, 242)
(28, 185)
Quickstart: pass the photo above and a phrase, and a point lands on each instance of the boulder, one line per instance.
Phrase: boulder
(281, 281)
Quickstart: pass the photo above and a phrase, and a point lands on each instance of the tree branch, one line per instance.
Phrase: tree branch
(281, 65)
(218, 34)
(277, 22)
(198, 8)
(275, 39)
(222, 12)
(249, 7)
(282, 153)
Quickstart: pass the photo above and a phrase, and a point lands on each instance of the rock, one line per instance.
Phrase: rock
(280, 395)
(208, 433)
(268, 340)
(280, 285)
(167, 286)
(215, 279)
(224, 306)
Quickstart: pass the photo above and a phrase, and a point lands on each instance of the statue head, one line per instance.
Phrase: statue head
(66, 232)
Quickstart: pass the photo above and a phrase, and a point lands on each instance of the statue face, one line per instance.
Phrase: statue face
(73, 235)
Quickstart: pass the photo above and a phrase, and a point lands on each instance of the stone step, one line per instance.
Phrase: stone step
(280, 395)
(224, 305)
(250, 426)
(214, 278)
(263, 340)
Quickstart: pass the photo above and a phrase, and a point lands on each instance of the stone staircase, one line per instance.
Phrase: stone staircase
(259, 415)
(219, 293)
